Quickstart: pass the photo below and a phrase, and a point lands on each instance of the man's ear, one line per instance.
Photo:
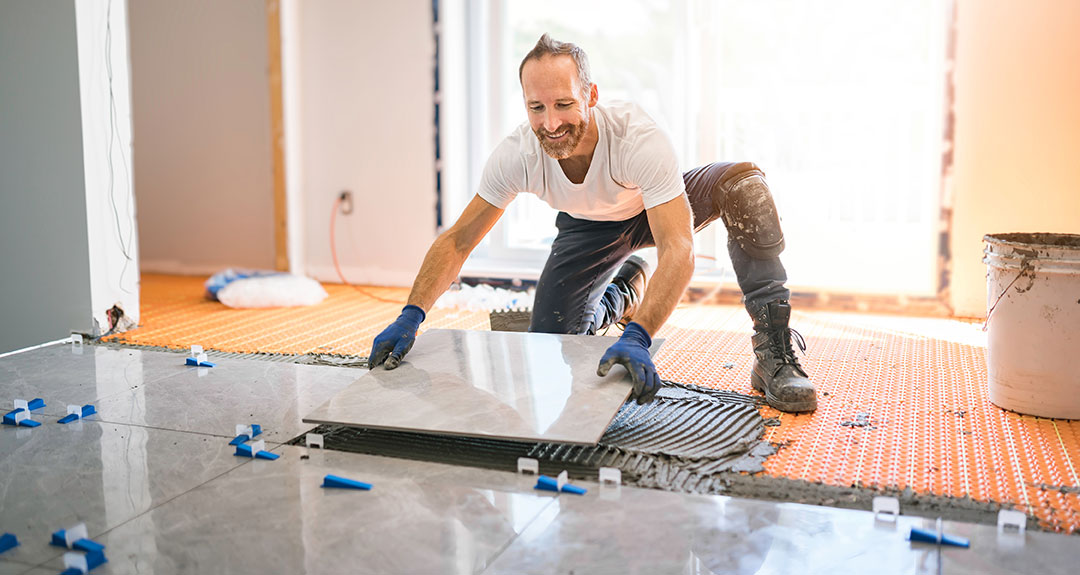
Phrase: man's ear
(594, 95)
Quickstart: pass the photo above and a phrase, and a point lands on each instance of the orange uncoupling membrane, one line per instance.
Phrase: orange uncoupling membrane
(175, 314)
(897, 408)
(902, 402)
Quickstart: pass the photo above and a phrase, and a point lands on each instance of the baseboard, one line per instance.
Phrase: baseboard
(362, 276)
(173, 267)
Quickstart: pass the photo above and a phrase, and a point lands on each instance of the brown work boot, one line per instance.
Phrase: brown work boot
(777, 372)
(631, 278)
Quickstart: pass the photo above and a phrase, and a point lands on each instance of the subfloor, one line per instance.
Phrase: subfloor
(155, 481)
(903, 402)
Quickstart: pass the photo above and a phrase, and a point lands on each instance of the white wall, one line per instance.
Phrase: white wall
(1017, 165)
(204, 164)
(105, 95)
(365, 112)
(290, 87)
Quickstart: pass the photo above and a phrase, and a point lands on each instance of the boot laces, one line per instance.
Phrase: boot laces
(780, 344)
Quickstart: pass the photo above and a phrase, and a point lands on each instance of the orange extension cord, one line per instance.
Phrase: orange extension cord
(333, 254)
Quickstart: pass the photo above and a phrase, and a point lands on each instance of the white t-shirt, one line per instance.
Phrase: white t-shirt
(633, 168)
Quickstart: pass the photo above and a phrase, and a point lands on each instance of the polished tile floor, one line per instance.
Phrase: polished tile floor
(519, 386)
(154, 480)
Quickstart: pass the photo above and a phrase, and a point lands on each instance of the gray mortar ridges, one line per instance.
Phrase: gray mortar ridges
(510, 320)
(304, 359)
(853, 497)
(683, 430)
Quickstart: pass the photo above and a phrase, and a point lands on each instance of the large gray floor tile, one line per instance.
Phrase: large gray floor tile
(238, 391)
(273, 517)
(655, 532)
(527, 386)
(65, 374)
(102, 474)
(14, 568)
(993, 552)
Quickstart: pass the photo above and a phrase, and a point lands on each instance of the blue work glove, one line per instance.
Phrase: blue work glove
(397, 339)
(632, 352)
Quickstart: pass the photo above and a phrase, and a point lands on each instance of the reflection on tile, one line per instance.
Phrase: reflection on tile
(489, 384)
(647, 531)
(65, 375)
(102, 474)
(1008, 552)
(273, 517)
(214, 400)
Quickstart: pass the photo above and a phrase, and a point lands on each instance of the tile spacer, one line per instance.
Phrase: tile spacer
(199, 361)
(528, 465)
(8, 541)
(344, 483)
(20, 417)
(610, 476)
(1011, 519)
(886, 505)
(256, 450)
(68, 537)
(33, 404)
(75, 413)
(78, 563)
(937, 537)
(75, 537)
(562, 479)
(245, 433)
(546, 483)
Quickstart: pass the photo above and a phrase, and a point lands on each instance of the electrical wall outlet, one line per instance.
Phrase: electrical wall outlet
(346, 202)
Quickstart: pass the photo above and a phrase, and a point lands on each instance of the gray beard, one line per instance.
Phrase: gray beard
(562, 150)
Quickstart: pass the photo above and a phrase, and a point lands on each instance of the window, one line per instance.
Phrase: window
(840, 103)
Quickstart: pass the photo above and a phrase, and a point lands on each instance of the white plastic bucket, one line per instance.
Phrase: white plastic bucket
(1033, 323)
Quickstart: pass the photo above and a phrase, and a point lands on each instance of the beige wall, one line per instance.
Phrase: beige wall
(359, 116)
(360, 90)
(202, 154)
(1017, 165)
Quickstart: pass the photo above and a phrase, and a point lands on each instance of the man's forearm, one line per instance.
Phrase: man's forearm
(440, 268)
(673, 272)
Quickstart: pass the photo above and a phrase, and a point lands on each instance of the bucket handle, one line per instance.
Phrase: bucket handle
(1025, 265)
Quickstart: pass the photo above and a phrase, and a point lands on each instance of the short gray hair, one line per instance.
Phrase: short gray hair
(546, 46)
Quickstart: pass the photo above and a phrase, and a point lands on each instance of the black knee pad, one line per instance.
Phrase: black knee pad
(749, 211)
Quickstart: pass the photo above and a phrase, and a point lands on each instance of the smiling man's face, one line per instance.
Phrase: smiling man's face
(558, 110)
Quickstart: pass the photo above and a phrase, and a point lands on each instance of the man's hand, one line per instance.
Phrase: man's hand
(632, 352)
(397, 339)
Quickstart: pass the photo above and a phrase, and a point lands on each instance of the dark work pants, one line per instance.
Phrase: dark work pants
(574, 294)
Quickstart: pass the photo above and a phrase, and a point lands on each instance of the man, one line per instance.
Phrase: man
(613, 176)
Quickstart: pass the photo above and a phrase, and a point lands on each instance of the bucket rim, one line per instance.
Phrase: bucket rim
(1046, 240)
